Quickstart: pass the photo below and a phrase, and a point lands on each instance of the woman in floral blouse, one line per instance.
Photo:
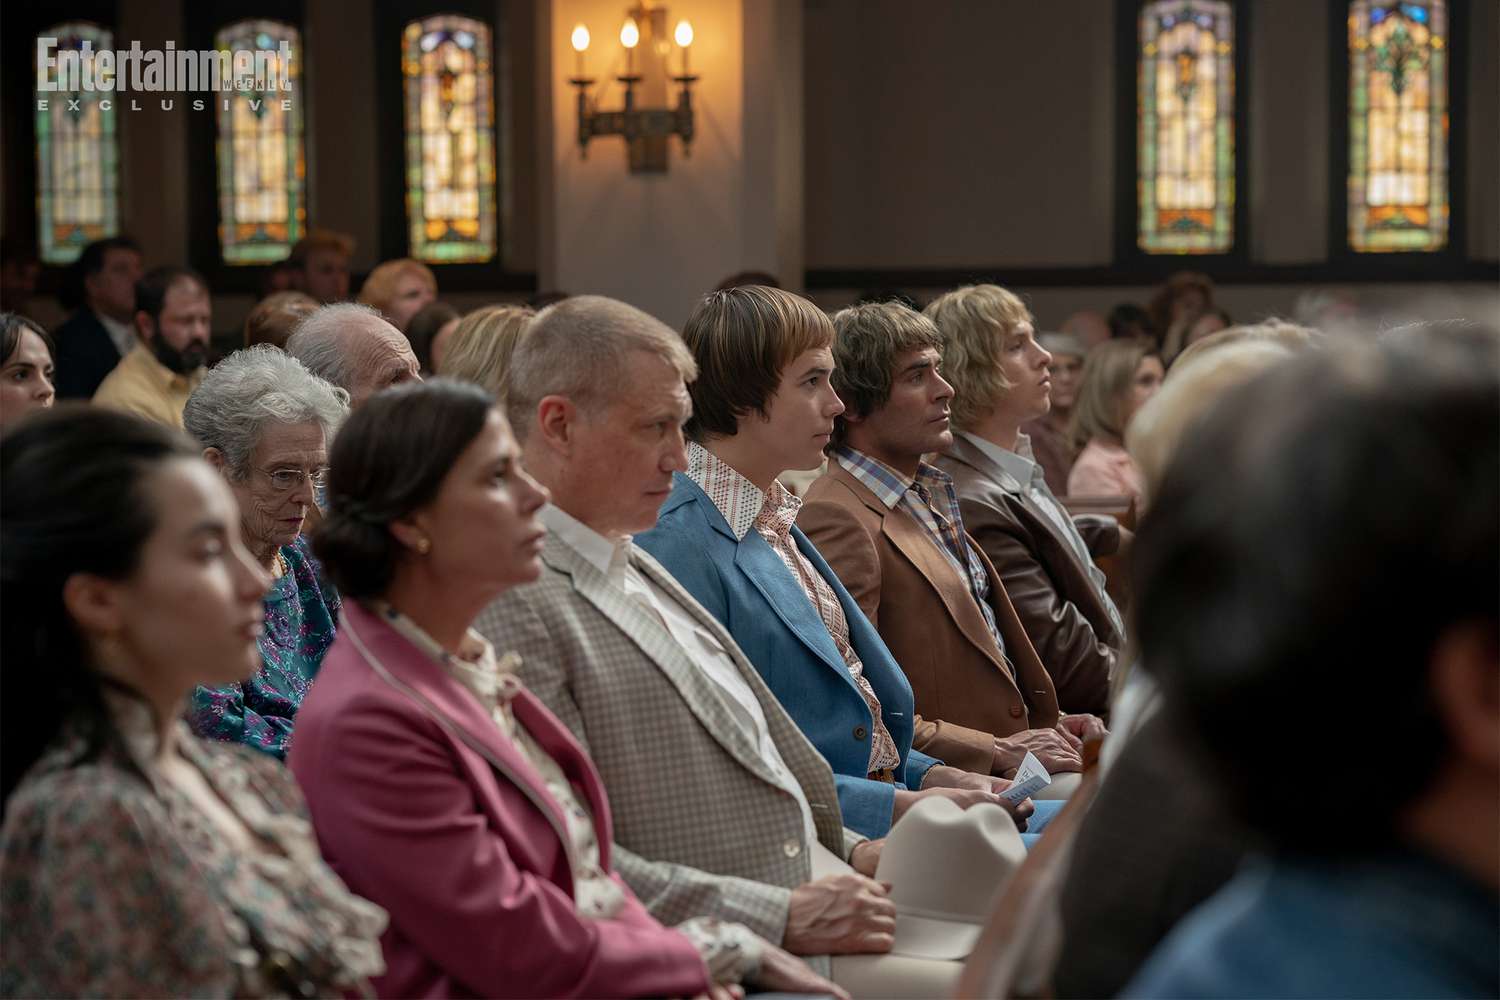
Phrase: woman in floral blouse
(265, 422)
(134, 859)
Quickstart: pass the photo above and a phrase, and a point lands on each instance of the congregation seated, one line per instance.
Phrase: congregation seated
(1118, 377)
(1383, 882)
(721, 806)
(1044, 558)
(439, 786)
(540, 679)
(890, 526)
(398, 290)
(138, 860)
(264, 422)
(482, 344)
(101, 330)
(429, 331)
(763, 403)
(27, 370)
(275, 317)
(318, 265)
(355, 348)
(173, 321)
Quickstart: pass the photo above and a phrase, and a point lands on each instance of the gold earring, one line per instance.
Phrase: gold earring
(424, 546)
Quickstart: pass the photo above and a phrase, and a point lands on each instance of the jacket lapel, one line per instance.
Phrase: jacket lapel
(952, 588)
(807, 766)
(412, 672)
(965, 452)
(650, 635)
(1065, 559)
(760, 564)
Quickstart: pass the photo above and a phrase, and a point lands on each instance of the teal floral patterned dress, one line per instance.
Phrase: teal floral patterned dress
(301, 617)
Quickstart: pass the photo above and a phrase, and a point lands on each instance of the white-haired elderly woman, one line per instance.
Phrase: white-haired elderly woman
(265, 422)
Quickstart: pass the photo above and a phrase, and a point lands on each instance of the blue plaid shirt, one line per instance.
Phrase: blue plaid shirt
(932, 502)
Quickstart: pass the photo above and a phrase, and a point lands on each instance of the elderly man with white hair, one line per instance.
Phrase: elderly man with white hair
(353, 347)
(265, 422)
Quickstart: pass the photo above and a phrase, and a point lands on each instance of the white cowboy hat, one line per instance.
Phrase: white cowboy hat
(945, 866)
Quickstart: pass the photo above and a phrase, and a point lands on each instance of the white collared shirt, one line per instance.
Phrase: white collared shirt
(612, 558)
(1022, 466)
(122, 335)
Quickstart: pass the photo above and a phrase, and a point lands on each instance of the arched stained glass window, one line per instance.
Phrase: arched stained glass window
(1398, 125)
(448, 86)
(77, 149)
(261, 161)
(1185, 151)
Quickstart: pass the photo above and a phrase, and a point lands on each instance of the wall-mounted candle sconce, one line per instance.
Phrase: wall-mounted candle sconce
(646, 129)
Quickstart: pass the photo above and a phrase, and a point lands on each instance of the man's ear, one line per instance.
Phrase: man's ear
(144, 327)
(1464, 677)
(556, 423)
(215, 457)
(94, 603)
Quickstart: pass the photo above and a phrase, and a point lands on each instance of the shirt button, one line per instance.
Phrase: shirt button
(1015, 711)
(859, 732)
(791, 848)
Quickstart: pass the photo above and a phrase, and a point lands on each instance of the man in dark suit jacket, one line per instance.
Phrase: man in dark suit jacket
(92, 341)
(890, 527)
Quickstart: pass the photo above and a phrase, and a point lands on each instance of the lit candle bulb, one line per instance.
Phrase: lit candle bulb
(580, 45)
(630, 37)
(684, 38)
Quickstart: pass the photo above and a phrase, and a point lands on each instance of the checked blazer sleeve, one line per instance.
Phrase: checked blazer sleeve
(567, 662)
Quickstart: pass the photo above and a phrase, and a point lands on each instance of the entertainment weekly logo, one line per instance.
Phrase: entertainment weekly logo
(254, 73)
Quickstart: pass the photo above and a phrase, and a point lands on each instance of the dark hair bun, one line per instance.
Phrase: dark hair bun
(390, 459)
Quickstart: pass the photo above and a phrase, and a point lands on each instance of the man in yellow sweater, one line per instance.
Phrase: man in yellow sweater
(154, 380)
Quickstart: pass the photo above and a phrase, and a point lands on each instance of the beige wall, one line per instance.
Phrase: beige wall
(660, 240)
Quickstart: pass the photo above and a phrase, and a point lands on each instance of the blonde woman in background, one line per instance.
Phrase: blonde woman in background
(479, 351)
(1118, 377)
(399, 289)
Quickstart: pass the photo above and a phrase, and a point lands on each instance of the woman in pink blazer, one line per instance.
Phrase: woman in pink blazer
(438, 786)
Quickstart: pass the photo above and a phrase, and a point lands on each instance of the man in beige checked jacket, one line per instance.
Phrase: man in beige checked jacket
(721, 806)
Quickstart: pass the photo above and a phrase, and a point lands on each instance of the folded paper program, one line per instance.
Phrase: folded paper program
(1031, 777)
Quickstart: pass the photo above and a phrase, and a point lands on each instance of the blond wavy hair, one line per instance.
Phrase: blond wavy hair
(974, 321)
(1108, 372)
(480, 348)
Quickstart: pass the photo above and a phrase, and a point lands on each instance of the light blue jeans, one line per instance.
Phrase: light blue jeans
(1037, 821)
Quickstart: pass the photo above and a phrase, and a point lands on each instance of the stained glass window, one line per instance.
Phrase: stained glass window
(1398, 125)
(450, 139)
(1186, 120)
(77, 152)
(262, 166)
